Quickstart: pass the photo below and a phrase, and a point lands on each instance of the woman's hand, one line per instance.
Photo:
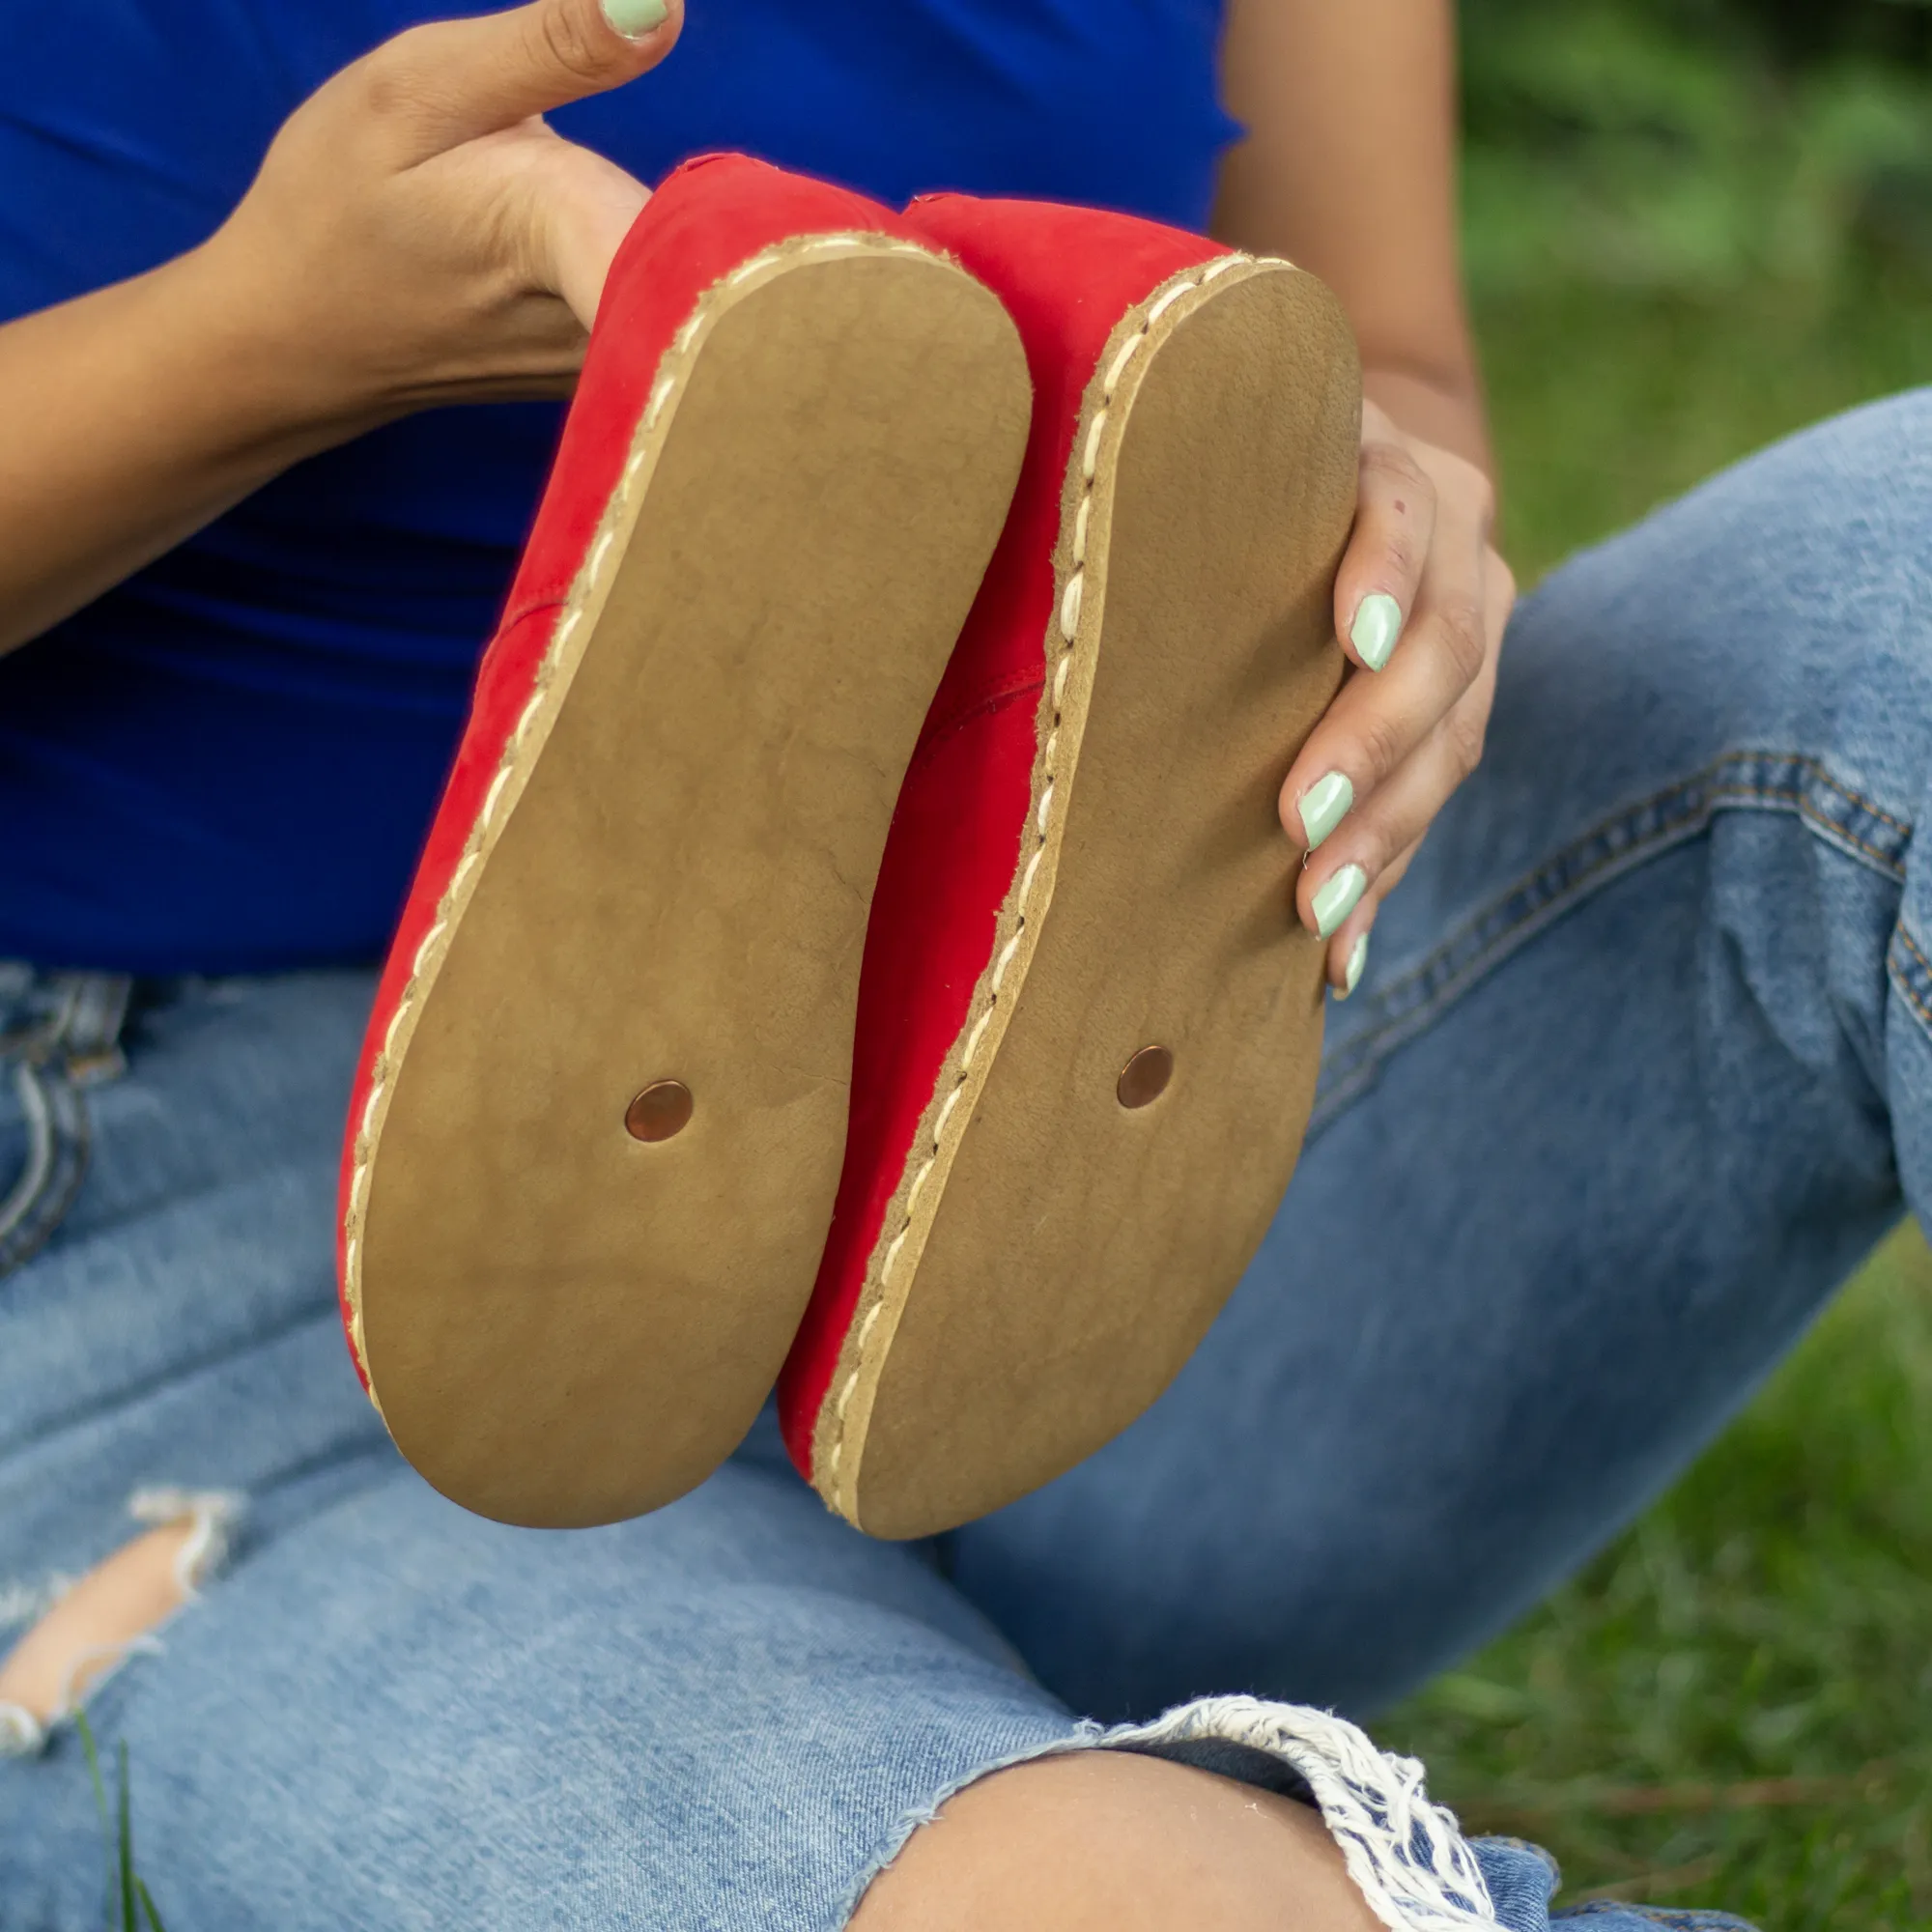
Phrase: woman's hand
(1420, 605)
(1349, 169)
(416, 234)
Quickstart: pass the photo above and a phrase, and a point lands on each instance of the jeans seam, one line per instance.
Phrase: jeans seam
(61, 1034)
(60, 1140)
(1616, 844)
(1913, 976)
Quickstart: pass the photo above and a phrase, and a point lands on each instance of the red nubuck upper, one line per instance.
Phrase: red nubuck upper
(709, 217)
(1066, 276)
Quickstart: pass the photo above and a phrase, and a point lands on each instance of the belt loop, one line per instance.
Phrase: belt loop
(97, 1012)
(72, 1044)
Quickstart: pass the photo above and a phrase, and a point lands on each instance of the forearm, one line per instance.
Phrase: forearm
(1350, 169)
(135, 415)
(416, 236)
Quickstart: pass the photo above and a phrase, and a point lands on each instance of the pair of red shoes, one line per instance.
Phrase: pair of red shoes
(717, 872)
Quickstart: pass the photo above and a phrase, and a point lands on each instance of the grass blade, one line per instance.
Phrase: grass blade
(153, 1917)
(92, 1755)
(127, 1921)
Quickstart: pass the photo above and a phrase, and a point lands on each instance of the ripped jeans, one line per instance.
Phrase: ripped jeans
(1641, 1068)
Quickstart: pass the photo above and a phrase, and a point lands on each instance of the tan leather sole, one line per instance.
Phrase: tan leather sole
(1062, 1251)
(564, 1323)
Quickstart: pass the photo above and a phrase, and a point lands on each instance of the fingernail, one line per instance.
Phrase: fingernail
(1324, 804)
(1336, 896)
(1351, 975)
(1377, 625)
(634, 18)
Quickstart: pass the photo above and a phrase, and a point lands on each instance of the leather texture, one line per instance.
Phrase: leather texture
(792, 454)
(714, 213)
(1066, 276)
(1086, 872)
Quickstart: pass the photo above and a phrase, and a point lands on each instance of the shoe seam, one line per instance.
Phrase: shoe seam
(986, 702)
(531, 607)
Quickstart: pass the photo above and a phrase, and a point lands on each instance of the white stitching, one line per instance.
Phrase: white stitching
(1005, 960)
(973, 1039)
(1091, 455)
(1129, 351)
(1167, 301)
(523, 724)
(430, 938)
(1069, 604)
(496, 785)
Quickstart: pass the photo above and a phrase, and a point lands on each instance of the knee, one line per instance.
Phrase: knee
(1788, 596)
(1107, 1839)
(1806, 526)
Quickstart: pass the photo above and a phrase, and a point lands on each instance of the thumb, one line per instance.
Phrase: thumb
(582, 207)
(456, 80)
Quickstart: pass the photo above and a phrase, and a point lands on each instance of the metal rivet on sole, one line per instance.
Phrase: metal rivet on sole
(662, 1109)
(1145, 1077)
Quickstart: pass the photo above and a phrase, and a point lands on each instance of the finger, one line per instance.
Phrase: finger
(1349, 951)
(579, 207)
(455, 80)
(1377, 723)
(1498, 598)
(1382, 569)
(1382, 844)
(1393, 821)
(1394, 815)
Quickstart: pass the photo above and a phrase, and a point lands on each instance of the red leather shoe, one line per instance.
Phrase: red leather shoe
(598, 1123)
(1089, 1022)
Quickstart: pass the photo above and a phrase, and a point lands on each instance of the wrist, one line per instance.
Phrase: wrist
(287, 388)
(1444, 408)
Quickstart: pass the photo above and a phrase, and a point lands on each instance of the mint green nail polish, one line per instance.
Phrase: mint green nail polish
(1351, 974)
(1324, 805)
(1377, 625)
(1336, 896)
(634, 18)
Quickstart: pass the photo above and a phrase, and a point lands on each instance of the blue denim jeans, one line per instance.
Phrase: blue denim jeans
(1641, 1068)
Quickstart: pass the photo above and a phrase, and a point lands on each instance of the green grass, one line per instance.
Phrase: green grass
(131, 1908)
(1732, 1707)
(1607, 401)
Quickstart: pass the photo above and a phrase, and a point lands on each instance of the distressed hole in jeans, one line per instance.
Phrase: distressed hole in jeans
(101, 1619)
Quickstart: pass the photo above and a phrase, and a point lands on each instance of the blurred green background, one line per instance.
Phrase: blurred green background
(1693, 225)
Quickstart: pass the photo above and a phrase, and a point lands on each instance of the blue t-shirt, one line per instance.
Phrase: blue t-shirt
(228, 762)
